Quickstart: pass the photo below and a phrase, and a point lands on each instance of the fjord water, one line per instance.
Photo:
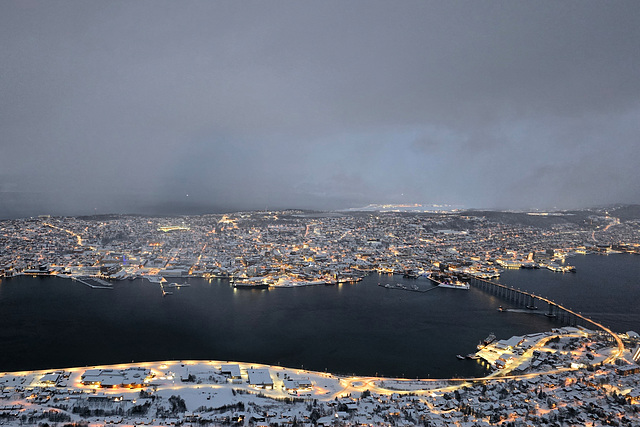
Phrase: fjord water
(361, 328)
(605, 288)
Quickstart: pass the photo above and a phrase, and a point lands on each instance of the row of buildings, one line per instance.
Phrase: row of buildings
(292, 247)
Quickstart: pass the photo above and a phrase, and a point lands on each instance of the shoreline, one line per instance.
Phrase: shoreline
(218, 392)
(451, 367)
(489, 353)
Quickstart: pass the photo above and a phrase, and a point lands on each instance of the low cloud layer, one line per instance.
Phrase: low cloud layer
(123, 106)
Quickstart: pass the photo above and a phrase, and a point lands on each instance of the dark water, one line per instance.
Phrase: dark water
(362, 328)
(604, 288)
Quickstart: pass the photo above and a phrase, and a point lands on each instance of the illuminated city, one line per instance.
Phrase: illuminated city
(319, 213)
(579, 361)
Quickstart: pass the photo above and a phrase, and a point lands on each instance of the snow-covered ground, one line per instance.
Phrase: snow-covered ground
(546, 376)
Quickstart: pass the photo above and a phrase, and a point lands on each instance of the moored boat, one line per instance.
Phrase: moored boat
(455, 284)
(445, 281)
(177, 285)
(249, 285)
(488, 340)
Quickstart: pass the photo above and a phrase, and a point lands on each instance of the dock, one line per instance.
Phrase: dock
(98, 283)
(406, 288)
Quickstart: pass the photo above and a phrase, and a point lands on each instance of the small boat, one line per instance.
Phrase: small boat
(460, 357)
(500, 308)
(473, 356)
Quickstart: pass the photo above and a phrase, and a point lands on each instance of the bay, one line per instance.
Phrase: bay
(362, 328)
(605, 288)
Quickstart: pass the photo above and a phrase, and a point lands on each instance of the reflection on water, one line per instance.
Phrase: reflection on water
(358, 328)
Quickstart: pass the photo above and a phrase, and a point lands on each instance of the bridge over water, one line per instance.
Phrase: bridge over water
(530, 301)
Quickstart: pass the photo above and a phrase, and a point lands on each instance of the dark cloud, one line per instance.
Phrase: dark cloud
(325, 104)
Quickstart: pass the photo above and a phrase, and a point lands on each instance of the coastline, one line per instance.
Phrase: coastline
(370, 319)
(216, 392)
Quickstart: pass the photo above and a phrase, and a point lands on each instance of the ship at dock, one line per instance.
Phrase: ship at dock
(560, 268)
(455, 284)
(488, 340)
(177, 285)
(249, 284)
(445, 281)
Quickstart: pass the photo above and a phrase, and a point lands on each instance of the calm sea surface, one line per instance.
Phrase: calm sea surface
(361, 328)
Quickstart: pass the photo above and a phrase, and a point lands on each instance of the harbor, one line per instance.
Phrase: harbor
(199, 317)
(92, 282)
(410, 288)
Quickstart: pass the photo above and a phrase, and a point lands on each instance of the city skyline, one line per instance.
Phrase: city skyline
(202, 107)
(219, 343)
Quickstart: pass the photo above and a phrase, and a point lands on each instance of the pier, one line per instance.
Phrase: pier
(553, 310)
(98, 283)
(400, 287)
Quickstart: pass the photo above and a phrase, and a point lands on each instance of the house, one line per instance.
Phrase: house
(232, 372)
(509, 344)
(260, 378)
(627, 369)
(294, 385)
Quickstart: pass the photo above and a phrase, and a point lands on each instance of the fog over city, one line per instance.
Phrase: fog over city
(201, 106)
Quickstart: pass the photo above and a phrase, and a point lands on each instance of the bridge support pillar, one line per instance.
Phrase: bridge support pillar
(550, 310)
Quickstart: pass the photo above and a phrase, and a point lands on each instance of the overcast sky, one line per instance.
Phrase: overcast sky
(122, 106)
